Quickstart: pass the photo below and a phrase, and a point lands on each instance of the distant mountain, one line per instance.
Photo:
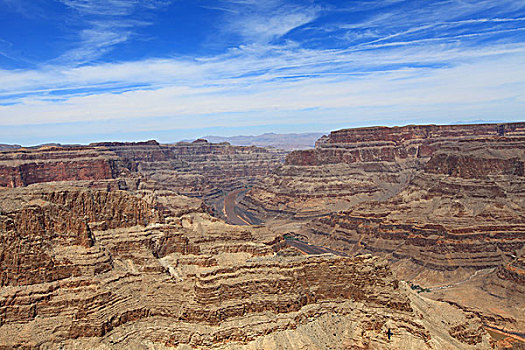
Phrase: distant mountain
(479, 121)
(287, 142)
(4, 147)
(7, 147)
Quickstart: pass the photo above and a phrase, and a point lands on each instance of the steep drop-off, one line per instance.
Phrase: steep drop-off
(88, 268)
(98, 249)
(198, 169)
(445, 204)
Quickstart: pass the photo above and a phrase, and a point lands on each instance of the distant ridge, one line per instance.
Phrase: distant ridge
(288, 142)
(5, 147)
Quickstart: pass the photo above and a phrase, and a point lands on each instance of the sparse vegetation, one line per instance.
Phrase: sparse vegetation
(418, 288)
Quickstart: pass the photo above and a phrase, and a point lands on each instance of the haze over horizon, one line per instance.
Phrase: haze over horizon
(79, 71)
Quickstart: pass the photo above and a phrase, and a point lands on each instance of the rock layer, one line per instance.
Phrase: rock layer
(159, 272)
(198, 169)
(23, 167)
(442, 203)
(114, 257)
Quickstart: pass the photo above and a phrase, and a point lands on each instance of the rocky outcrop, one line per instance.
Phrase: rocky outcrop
(34, 234)
(161, 273)
(28, 166)
(198, 169)
(440, 202)
(28, 238)
(119, 259)
(462, 209)
(375, 144)
(357, 165)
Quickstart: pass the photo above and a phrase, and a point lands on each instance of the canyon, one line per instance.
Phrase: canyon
(444, 204)
(195, 169)
(378, 238)
(99, 268)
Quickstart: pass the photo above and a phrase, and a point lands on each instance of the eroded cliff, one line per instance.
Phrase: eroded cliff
(100, 250)
(198, 169)
(445, 204)
(98, 268)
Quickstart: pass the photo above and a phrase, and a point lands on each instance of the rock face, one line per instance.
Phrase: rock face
(198, 169)
(386, 144)
(355, 165)
(91, 268)
(444, 204)
(464, 208)
(100, 249)
(24, 167)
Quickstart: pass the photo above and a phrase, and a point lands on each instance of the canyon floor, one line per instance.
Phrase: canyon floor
(377, 238)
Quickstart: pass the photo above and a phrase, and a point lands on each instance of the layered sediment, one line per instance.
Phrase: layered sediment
(23, 167)
(198, 169)
(442, 203)
(99, 249)
(351, 166)
(463, 208)
(159, 272)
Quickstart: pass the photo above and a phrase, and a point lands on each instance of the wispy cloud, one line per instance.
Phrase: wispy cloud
(435, 19)
(264, 21)
(107, 24)
(454, 60)
(266, 81)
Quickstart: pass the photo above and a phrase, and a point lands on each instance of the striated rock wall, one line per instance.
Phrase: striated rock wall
(344, 169)
(442, 203)
(24, 167)
(464, 208)
(187, 279)
(198, 169)
(27, 240)
(433, 246)
(386, 144)
(31, 233)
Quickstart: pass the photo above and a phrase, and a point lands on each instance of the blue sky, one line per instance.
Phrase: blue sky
(77, 71)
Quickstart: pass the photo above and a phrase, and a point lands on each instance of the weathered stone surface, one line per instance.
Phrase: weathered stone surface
(23, 167)
(442, 203)
(159, 272)
(373, 144)
(199, 169)
(117, 258)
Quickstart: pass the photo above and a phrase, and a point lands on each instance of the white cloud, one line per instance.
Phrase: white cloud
(212, 87)
(396, 73)
(107, 24)
(435, 19)
(102, 7)
(263, 21)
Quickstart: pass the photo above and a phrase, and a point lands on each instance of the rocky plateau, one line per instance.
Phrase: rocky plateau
(444, 204)
(378, 238)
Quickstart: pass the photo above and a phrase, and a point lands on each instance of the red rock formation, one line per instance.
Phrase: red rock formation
(99, 267)
(376, 144)
(32, 233)
(175, 280)
(198, 169)
(24, 167)
(440, 202)
(27, 239)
